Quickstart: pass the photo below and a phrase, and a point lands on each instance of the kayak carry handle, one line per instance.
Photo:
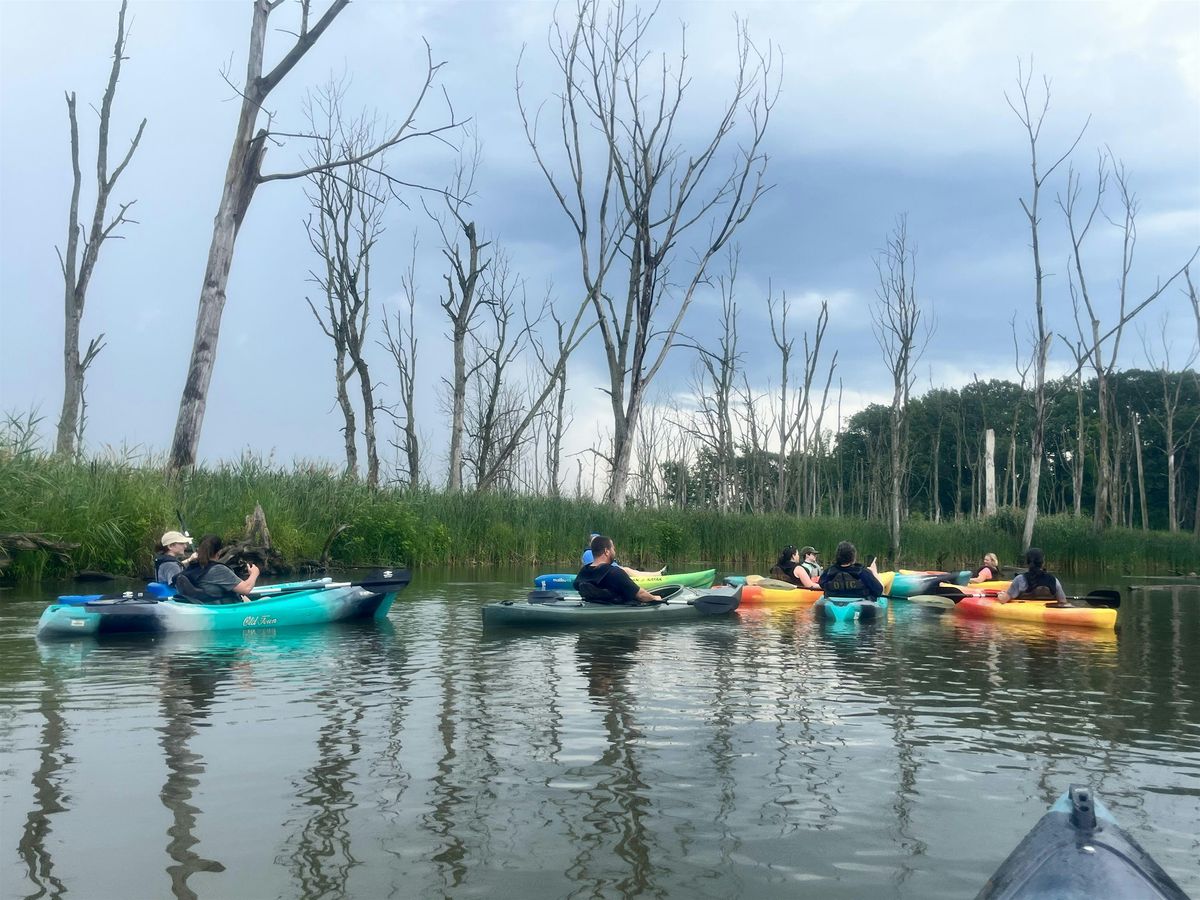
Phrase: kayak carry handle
(1083, 810)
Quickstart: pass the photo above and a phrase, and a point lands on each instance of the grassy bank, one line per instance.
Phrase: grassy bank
(116, 510)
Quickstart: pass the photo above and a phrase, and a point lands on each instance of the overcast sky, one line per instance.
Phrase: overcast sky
(886, 108)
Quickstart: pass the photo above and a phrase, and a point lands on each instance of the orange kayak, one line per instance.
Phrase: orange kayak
(1044, 611)
(753, 594)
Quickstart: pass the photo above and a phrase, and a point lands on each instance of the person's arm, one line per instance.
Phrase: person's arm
(975, 579)
(1013, 590)
(246, 585)
(874, 585)
(1059, 593)
(806, 580)
(644, 596)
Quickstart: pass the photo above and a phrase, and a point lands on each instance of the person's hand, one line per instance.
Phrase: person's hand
(252, 569)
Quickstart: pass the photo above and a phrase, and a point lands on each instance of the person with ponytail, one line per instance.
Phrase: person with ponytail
(1035, 583)
(208, 581)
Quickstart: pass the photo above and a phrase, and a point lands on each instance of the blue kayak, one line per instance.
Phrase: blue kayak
(1077, 850)
(847, 609)
(274, 606)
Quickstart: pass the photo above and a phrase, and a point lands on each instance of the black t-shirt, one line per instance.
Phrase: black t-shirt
(608, 583)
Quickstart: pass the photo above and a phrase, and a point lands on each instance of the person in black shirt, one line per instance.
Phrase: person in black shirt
(602, 581)
(847, 578)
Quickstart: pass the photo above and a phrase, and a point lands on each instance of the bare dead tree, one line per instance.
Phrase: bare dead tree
(711, 425)
(78, 262)
(787, 406)
(1032, 120)
(812, 415)
(1175, 436)
(753, 442)
(243, 176)
(557, 419)
(349, 204)
(401, 344)
(902, 330)
(634, 193)
(1091, 339)
(463, 247)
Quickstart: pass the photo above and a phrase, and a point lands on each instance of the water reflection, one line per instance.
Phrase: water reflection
(49, 794)
(618, 805)
(189, 684)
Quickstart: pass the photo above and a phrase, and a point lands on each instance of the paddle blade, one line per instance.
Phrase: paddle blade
(1110, 599)
(544, 596)
(716, 604)
(387, 580)
(933, 601)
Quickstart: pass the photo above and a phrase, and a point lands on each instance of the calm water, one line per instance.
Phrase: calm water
(762, 755)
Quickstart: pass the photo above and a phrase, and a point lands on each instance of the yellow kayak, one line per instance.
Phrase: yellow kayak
(753, 594)
(1041, 611)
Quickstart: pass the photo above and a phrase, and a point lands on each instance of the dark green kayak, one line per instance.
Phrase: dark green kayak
(552, 608)
(1077, 850)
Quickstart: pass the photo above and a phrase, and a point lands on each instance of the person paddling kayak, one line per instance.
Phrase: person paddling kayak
(798, 567)
(169, 560)
(209, 581)
(631, 572)
(989, 571)
(849, 578)
(1035, 583)
(603, 581)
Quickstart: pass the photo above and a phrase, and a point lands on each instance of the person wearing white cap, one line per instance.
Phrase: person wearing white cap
(169, 561)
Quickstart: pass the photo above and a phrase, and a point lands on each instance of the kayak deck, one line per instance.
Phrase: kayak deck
(683, 604)
(146, 616)
(1040, 611)
(1077, 850)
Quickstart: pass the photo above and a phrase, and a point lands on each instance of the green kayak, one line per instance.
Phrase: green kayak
(565, 582)
(552, 608)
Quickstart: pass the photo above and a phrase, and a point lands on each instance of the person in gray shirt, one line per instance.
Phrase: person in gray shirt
(1035, 583)
(215, 582)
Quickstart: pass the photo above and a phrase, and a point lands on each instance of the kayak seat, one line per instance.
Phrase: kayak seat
(187, 592)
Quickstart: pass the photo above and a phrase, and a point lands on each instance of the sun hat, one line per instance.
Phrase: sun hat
(175, 537)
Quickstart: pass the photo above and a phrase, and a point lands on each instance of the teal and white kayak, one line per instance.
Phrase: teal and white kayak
(847, 609)
(551, 608)
(274, 606)
(565, 582)
(1077, 850)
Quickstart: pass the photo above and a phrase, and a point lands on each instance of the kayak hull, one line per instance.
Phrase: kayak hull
(565, 582)
(754, 595)
(849, 609)
(1037, 611)
(141, 616)
(572, 611)
(1077, 850)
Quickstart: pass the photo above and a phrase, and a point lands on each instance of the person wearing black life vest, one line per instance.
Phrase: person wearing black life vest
(794, 567)
(603, 581)
(208, 581)
(169, 560)
(989, 571)
(1034, 584)
(849, 578)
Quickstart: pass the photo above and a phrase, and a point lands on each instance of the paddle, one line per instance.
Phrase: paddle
(709, 604)
(383, 581)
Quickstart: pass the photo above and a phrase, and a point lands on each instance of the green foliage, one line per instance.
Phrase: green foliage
(116, 511)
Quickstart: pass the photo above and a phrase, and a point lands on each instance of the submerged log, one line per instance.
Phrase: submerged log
(17, 542)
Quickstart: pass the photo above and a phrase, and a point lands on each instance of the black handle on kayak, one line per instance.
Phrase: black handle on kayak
(716, 604)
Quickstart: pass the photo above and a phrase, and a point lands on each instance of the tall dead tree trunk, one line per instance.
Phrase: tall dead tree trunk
(78, 263)
(638, 202)
(1032, 122)
(902, 337)
(347, 220)
(243, 175)
(787, 418)
(402, 345)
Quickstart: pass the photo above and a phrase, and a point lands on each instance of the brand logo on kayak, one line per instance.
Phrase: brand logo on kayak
(256, 621)
(387, 573)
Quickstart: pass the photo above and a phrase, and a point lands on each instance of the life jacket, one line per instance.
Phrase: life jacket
(839, 582)
(993, 571)
(191, 587)
(160, 559)
(593, 590)
(813, 570)
(787, 575)
(1040, 585)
